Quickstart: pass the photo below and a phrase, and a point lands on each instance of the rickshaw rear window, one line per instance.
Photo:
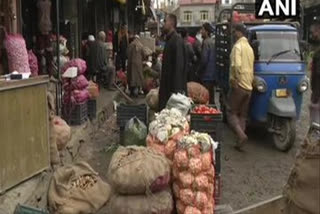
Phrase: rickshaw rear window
(271, 43)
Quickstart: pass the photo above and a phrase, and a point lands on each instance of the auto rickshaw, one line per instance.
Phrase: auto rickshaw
(279, 70)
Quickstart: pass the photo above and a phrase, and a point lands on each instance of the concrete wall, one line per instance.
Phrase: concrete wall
(196, 17)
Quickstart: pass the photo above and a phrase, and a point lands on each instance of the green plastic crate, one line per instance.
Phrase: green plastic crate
(23, 209)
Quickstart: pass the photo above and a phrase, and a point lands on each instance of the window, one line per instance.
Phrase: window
(278, 46)
(204, 15)
(227, 1)
(187, 16)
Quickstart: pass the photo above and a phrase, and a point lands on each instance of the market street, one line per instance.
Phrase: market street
(253, 176)
(159, 107)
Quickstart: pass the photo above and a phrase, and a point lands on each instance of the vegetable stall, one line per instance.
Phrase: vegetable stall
(191, 184)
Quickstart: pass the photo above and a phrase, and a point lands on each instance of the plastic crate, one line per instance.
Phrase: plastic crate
(92, 109)
(78, 114)
(217, 164)
(126, 112)
(217, 188)
(208, 123)
(22, 209)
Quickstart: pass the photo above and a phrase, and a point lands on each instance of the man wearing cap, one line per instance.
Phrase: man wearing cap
(98, 61)
(208, 61)
(241, 80)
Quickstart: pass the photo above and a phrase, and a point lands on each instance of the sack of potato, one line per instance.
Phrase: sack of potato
(76, 189)
(137, 170)
(194, 174)
(157, 203)
(302, 191)
(166, 130)
(152, 99)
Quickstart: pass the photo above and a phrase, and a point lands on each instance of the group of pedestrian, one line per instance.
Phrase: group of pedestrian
(186, 59)
(181, 59)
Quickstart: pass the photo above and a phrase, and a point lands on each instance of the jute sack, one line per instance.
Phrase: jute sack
(198, 93)
(62, 131)
(303, 188)
(54, 154)
(152, 99)
(158, 203)
(68, 196)
(138, 170)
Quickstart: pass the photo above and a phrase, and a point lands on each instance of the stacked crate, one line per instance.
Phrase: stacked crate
(213, 125)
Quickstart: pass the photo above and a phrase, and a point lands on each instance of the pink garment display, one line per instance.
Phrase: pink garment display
(17, 54)
(44, 13)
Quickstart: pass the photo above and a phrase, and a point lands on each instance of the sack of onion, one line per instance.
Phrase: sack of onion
(194, 174)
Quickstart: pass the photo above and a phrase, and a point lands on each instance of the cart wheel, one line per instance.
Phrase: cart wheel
(284, 134)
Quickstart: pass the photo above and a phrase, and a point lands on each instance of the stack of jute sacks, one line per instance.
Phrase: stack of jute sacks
(140, 178)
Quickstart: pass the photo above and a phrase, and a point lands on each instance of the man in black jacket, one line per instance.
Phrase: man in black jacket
(174, 75)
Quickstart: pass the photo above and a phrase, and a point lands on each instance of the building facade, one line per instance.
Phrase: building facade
(193, 13)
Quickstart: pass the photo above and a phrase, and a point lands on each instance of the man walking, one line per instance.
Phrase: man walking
(315, 75)
(136, 55)
(174, 76)
(208, 61)
(241, 80)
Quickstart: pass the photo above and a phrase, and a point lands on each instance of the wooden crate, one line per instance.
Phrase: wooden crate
(24, 130)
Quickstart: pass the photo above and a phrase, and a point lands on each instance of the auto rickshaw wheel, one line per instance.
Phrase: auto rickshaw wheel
(284, 133)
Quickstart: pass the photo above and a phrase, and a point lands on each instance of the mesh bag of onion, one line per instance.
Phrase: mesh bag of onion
(193, 174)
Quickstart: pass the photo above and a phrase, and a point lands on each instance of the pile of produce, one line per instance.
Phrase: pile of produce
(243, 17)
(180, 102)
(166, 130)
(77, 189)
(78, 63)
(198, 93)
(18, 59)
(76, 91)
(203, 109)
(33, 63)
(194, 174)
(152, 99)
(140, 177)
